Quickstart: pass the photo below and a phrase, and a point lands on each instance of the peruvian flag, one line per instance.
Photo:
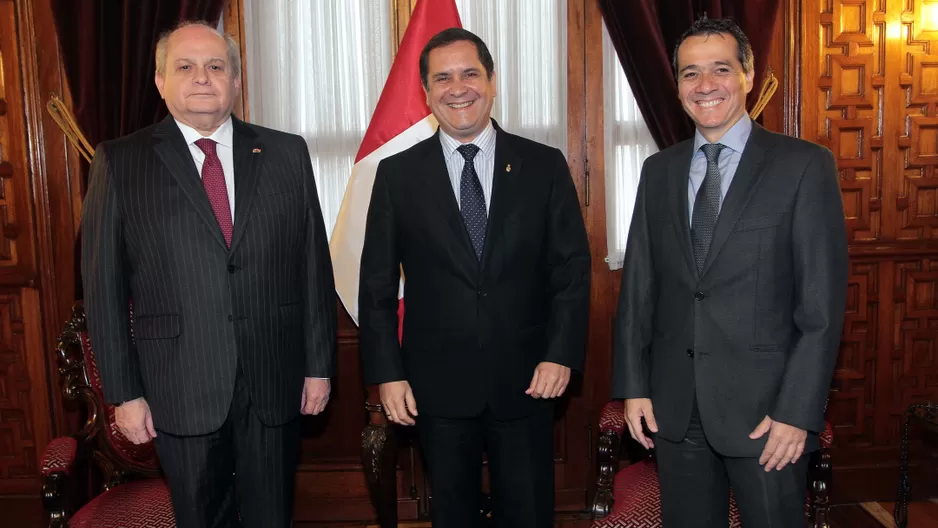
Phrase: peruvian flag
(401, 120)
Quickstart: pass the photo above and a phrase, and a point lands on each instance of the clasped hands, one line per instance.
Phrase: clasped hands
(550, 380)
(785, 444)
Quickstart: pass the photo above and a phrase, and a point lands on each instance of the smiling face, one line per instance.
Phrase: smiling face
(197, 84)
(460, 93)
(712, 83)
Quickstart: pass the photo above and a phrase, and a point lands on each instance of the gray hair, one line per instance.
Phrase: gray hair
(234, 51)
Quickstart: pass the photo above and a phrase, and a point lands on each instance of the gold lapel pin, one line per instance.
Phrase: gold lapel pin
(256, 151)
(508, 168)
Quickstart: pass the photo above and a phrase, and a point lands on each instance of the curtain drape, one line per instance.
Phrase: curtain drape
(644, 33)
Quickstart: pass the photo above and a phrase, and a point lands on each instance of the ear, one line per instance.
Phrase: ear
(750, 77)
(160, 83)
(494, 85)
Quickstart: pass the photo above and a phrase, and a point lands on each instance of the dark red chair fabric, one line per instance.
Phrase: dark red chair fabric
(133, 492)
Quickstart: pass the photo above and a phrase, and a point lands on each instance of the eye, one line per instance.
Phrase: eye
(472, 74)
(723, 70)
(215, 67)
(690, 75)
(184, 67)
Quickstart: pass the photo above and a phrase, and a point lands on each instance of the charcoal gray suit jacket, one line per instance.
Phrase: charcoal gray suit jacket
(757, 331)
(200, 308)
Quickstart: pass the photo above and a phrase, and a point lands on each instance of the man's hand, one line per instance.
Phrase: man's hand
(134, 421)
(398, 401)
(549, 381)
(635, 410)
(315, 396)
(785, 443)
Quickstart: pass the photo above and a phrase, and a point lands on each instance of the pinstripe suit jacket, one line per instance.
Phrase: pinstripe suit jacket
(200, 308)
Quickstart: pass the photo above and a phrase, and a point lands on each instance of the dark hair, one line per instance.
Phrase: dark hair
(450, 36)
(718, 26)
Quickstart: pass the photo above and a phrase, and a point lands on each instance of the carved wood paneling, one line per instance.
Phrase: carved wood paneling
(869, 79)
(17, 441)
(851, 403)
(16, 258)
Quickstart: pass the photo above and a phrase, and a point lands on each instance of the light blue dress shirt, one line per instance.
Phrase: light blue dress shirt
(735, 142)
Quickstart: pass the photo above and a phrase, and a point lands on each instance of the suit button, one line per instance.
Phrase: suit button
(699, 296)
(690, 352)
(230, 318)
(232, 268)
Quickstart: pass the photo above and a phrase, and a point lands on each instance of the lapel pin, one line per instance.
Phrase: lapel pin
(256, 151)
(508, 168)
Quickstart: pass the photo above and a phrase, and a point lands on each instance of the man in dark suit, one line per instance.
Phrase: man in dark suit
(732, 299)
(487, 228)
(212, 228)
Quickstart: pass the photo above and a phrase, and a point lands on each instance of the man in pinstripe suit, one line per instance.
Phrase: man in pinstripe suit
(213, 227)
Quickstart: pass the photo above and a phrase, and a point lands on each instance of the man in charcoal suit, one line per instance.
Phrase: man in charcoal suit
(212, 227)
(732, 300)
(487, 228)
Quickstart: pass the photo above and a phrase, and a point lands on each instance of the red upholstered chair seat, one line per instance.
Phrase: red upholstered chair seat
(638, 500)
(133, 492)
(138, 504)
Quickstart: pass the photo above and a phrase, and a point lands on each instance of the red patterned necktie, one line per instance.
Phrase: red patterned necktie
(213, 179)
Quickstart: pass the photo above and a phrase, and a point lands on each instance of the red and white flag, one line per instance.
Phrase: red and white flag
(401, 120)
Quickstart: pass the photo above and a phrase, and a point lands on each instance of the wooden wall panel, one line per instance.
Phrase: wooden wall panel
(869, 79)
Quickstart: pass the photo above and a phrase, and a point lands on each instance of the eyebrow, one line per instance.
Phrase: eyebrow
(696, 67)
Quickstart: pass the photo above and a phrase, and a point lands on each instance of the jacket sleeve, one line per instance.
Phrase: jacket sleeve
(105, 273)
(819, 256)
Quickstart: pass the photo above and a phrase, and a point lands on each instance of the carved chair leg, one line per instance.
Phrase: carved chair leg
(820, 472)
(379, 450)
(54, 499)
(608, 458)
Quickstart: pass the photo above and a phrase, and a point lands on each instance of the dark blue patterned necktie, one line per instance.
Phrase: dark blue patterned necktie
(706, 205)
(472, 200)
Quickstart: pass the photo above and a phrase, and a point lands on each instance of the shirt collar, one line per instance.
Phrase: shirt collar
(223, 135)
(485, 141)
(735, 138)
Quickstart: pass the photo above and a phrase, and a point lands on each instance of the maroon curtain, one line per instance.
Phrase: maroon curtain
(107, 50)
(644, 33)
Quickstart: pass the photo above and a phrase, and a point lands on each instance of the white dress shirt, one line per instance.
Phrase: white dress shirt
(224, 139)
(484, 161)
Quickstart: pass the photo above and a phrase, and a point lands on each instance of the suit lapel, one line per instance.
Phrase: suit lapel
(678, 171)
(248, 157)
(440, 190)
(745, 182)
(506, 189)
(174, 153)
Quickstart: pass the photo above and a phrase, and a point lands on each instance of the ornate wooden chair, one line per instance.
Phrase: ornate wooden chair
(132, 492)
(630, 498)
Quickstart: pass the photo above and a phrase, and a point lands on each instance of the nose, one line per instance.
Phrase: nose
(706, 84)
(201, 76)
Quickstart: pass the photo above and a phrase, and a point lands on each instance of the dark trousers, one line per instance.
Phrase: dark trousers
(521, 469)
(695, 486)
(244, 467)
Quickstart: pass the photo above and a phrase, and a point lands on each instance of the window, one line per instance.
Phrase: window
(627, 143)
(317, 69)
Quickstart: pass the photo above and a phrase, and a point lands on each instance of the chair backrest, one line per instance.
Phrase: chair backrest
(118, 456)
